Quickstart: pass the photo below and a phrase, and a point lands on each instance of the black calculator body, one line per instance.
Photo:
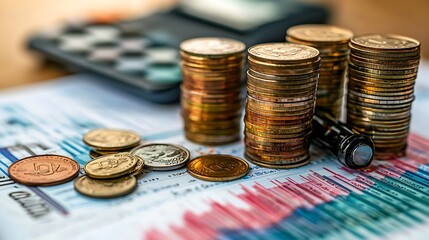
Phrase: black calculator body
(141, 55)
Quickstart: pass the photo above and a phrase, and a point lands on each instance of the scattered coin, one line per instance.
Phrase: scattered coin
(93, 154)
(160, 156)
(106, 188)
(111, 166)
(211, 99)
(138, 169)
(43, 170)
(217, 167)
(111, 139)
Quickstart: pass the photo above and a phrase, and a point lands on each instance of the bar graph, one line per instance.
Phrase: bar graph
(388, 197)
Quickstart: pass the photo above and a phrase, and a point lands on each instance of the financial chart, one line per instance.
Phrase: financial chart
(322, 199)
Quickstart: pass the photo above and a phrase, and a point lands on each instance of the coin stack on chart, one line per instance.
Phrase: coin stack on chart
(104, 141)
(211, 100)
(332, 43)
(382, 73)
(281, 95)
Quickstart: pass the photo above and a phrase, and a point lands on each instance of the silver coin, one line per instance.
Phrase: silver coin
(162, 156)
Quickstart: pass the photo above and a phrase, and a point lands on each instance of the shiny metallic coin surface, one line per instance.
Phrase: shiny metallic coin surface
(111, 166)
(111, 139)
(161, 156)
(217, 167)
(43, 170)
(106, 188)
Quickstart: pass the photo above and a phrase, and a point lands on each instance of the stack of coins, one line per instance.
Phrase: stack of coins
(332, 43)
(109, 176)
(382, 72)
(211, 100)
(106, 141)
(281, 96)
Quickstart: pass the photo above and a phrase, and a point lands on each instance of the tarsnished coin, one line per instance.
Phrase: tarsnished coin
(111, 139)
(111, 166)
(217, 167)
(161, 156)
(106, 188)
(43, 170)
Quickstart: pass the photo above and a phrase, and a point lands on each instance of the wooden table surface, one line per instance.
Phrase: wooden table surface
(20, 18)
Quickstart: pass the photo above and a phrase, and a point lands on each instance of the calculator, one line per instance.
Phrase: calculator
(141, 55)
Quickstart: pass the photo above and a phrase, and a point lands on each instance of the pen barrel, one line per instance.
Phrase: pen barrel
(351, 149)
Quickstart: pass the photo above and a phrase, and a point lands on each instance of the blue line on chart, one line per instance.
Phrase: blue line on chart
(5, 152)
(53, 203)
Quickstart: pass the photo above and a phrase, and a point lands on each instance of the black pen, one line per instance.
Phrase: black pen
(352, 149)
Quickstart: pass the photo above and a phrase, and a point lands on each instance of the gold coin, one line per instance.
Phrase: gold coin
(106, 188)
(217, 167)
(295, 79)
(283, 52)
(278, 157)
(321, 33)
(212, 139)
(111, 166)
(138, 169)
(212, 47)
(111, 139)
(388, 42)
(254, 160)
(93, 154)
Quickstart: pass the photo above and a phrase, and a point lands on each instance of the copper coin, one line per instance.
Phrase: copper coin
(217, 167)
(43, 170)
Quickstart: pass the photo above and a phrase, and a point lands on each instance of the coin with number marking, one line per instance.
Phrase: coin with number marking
(217, 167)
(161, 156)
(43, 170)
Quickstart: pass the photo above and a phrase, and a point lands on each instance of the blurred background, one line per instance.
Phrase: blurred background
(19, 19)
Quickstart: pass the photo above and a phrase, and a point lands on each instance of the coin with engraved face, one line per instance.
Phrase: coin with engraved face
(210, 46)
(44, 170)
(283, 52)
(385, 42)
(111, 166)
(111, 139)
(161, 156)
(320, 33)
(217, 167)
(106, 188)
